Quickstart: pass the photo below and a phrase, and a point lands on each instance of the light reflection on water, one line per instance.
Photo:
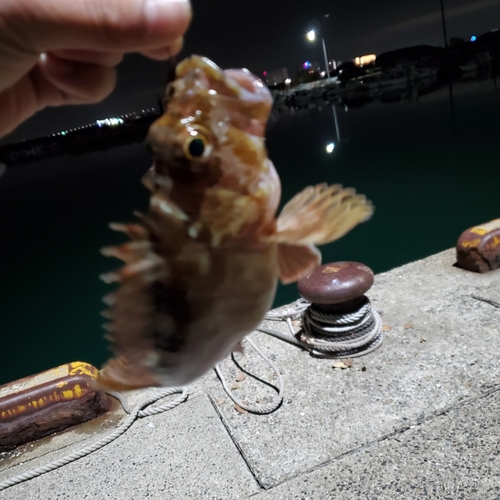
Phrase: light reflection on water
(427, 187)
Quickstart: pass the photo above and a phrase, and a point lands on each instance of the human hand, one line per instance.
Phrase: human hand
(55, 52)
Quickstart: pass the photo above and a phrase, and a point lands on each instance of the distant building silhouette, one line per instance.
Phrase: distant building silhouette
(456, 40)
(275, 76)
(414, 54)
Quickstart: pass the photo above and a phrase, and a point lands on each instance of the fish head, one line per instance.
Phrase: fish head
(213, 125)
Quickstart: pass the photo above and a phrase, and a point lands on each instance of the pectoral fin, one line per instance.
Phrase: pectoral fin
(296, 261)
(321, 214)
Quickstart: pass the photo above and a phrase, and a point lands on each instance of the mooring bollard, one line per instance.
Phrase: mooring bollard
(340, 322)
(48, 402)
(478, 248)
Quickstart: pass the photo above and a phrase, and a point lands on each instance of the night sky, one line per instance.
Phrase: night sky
(268, 34)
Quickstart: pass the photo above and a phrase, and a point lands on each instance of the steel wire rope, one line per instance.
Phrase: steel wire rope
(312, 320)
(258, 409)
(363, 325)
(137, 411)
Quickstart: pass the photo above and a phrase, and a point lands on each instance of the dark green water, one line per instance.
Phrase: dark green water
(427, 187)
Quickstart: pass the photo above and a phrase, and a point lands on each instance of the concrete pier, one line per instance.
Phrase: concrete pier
(418, 418)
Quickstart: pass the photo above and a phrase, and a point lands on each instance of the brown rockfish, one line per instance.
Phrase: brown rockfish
(202, 265)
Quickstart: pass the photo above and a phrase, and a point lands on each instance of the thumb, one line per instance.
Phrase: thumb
(31, 27)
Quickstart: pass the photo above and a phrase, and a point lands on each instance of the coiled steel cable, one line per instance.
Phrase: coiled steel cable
(339, 336)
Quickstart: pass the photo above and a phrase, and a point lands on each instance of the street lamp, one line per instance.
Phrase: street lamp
(311, 36)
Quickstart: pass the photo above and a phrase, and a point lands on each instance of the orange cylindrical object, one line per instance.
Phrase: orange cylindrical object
(50, 401)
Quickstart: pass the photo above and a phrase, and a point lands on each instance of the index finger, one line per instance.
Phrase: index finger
(112, 25)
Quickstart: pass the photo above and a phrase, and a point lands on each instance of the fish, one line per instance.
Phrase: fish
(201, 267)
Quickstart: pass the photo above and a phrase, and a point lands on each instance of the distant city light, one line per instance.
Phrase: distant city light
(264, 73)
(110, 122)
(288, 81)
(363, 60)
(473, 38)
(307, 65)
(330, 147)
(322, 73)
(311, 35)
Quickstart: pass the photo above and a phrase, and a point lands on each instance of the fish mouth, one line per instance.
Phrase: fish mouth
(168, 156)
(179, 169)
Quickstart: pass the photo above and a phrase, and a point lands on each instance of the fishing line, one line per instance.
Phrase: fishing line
(488, 301)
(258, 409)
(323, 335)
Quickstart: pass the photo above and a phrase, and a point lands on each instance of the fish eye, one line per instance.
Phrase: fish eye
(196, 147)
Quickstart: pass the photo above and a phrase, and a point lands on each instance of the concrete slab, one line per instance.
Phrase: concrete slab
(442, 348)
(456, 455)
(79, 435)
(183, 453)
(439, 358)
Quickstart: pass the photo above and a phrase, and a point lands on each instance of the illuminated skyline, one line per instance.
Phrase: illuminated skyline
(264, 34)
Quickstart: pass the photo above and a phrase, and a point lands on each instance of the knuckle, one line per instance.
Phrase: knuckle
(118, 22)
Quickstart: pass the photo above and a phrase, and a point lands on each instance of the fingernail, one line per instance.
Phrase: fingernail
(166, 10)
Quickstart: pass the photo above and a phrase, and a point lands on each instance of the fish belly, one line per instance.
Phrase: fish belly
(226, 304)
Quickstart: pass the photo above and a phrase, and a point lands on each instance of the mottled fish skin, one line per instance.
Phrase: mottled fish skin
(202, 265)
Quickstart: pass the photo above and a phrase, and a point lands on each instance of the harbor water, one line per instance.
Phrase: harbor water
(430, 173)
